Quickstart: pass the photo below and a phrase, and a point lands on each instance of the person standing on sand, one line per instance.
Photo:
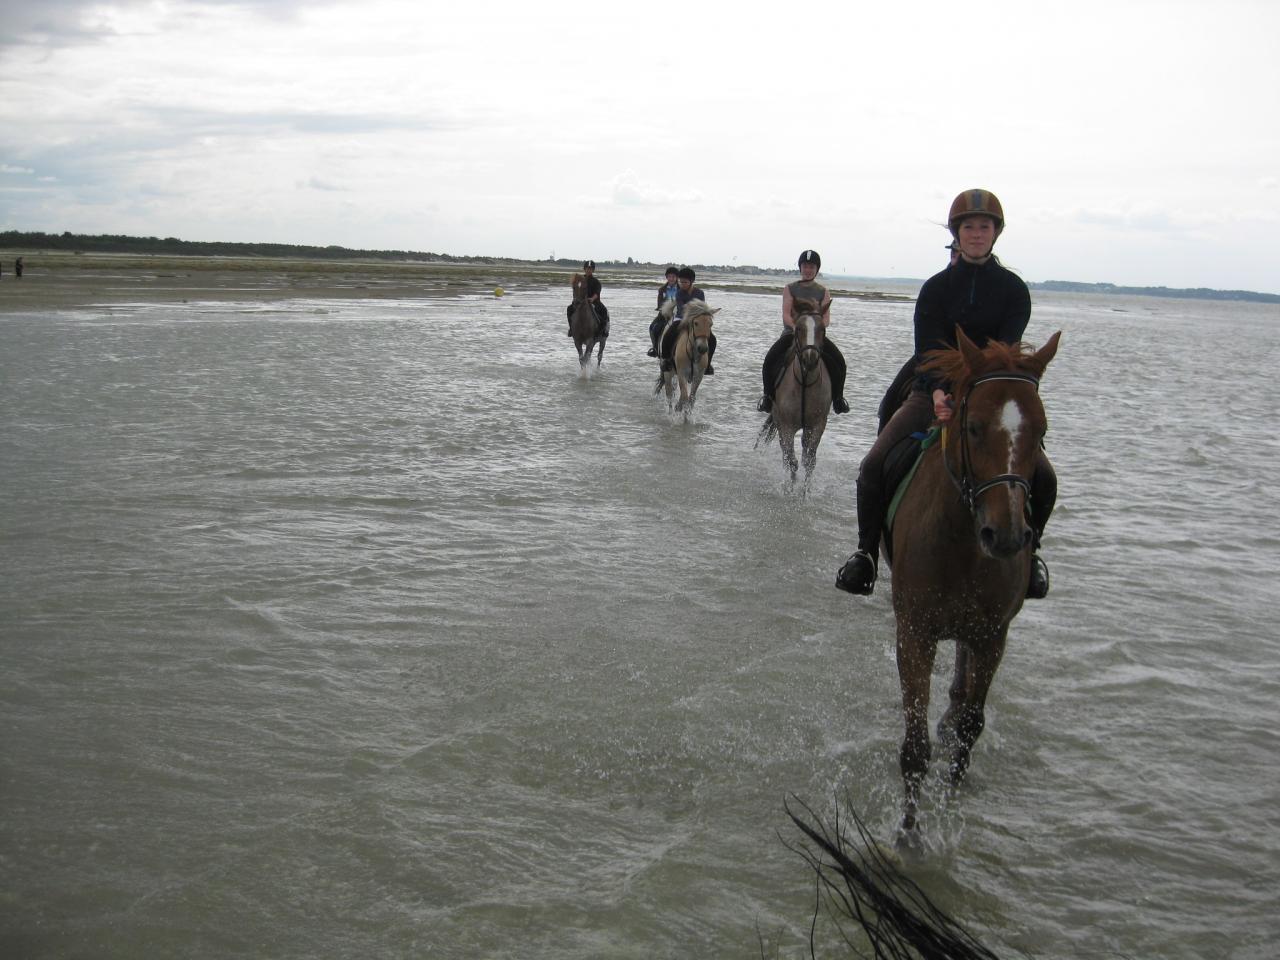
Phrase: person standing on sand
(17, 268)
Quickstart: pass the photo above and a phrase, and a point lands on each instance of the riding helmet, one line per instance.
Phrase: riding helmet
(588, 263)
(973, 202)
(810, 256)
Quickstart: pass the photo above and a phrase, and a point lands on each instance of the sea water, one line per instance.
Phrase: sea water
(341, 628)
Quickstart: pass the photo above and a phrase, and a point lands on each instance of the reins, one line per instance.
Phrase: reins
(969, 488)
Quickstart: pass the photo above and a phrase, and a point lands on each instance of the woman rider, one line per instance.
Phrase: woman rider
(806, 288)
(988, 302)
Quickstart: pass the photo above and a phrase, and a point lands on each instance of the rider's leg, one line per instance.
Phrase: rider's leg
(655, 333)
(834, 360)
(769, 371)
(711, 352)
(1044, 494)
(858, 575)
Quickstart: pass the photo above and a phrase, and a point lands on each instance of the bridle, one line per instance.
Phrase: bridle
(969, 488)
(801, 351)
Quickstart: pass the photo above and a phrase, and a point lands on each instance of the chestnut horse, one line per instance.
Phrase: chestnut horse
(802, 400)
(961, 545)
(582, 321)
(689, 355)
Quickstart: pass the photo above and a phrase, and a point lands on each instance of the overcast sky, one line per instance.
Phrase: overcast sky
(1130, 141)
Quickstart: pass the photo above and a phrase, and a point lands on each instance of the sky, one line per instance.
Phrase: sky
(1131, 142)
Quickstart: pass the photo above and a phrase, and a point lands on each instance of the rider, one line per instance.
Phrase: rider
(894, 395)
(988, 302)
(666, 292)
(687, 292)
(593, 297)
(806, 288)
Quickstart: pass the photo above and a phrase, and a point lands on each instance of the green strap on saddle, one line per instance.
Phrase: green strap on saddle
(927, 441)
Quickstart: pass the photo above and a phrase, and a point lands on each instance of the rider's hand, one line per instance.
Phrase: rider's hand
(942, 405)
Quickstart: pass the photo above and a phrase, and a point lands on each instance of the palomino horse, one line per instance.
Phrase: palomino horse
(689, 355)
(803, 397)
(583, 323)
(961, 545)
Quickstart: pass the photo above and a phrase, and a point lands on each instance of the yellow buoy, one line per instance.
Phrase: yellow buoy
(497, 291)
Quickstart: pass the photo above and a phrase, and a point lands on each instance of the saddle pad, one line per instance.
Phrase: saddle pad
(909, 451)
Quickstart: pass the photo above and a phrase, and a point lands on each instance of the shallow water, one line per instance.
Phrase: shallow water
(338, 628)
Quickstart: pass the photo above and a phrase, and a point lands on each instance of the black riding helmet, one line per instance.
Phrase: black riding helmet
(588, 263)
(810, 256)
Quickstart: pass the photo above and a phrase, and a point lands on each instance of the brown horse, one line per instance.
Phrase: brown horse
(689, 355)
(582, 322)
(803, 396)
(961, 545)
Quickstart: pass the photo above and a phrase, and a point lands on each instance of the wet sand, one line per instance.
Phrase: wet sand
(58, 279)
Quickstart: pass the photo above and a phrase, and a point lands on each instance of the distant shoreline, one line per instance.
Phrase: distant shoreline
(306, 271)
(57, 279)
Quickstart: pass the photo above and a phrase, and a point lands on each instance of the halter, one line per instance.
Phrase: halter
(970, 489)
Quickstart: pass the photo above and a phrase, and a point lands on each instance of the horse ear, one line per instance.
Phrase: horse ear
(826, 309)
(715, 311)
(1046, 353)
(968, 349)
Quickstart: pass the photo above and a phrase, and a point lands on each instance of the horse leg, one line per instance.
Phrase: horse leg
(956, 697)
(809, 448)
(600, 353)
(915, 663)
(968, 709)
(787, 443)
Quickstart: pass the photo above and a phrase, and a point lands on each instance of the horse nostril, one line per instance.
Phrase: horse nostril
(988, 537)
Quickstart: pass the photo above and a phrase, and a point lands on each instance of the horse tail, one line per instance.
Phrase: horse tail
(897, 916)
(767, 432)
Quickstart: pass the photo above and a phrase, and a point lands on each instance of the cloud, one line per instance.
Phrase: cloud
(628, 190)
(5, 168)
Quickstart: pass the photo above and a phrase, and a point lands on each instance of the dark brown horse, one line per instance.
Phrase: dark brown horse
(961, 545)
(802, 399)
(582, 321)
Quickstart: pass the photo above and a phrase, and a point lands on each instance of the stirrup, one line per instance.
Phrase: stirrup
(1038, 585)
(858, 575)
(765, 404)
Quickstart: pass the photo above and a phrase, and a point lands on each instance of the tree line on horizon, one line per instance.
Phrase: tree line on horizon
(120, 243)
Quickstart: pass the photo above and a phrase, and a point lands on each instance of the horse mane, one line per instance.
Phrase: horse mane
(803, 305)
(696, 308)
(953, 365)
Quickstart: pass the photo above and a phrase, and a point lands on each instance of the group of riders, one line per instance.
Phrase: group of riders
(975, 293)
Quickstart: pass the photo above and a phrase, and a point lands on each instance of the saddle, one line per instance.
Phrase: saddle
(899, 470)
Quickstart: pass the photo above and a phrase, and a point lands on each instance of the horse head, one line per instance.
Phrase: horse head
(810, 331)
(579, 288)
(697, 317)
(991, 451)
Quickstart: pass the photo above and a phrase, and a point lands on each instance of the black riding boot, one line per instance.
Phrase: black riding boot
(858, 575)
(711, 352)
(834, 360)
(1044, 493)
(769, 371)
